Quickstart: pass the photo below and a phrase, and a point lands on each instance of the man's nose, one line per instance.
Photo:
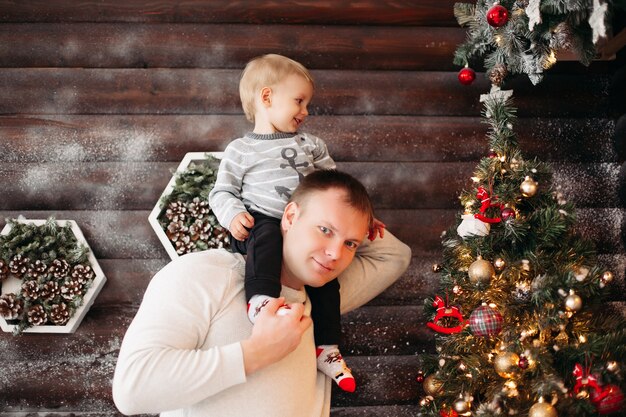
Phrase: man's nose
(333, 250)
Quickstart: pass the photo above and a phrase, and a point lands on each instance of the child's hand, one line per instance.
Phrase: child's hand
(378, 228)
(240, 225)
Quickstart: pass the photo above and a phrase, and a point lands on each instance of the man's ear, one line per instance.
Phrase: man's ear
(266, 96)
(289, 215)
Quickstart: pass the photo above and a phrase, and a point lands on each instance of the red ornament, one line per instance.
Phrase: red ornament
(467, 76)
(486, 321)
(609, 401)
(444, 311)
(497, 16)
(485, 203)
(523, 362)
(448, 412)
(584, 379)
(507, 213)
(492, 154)
(420, 377)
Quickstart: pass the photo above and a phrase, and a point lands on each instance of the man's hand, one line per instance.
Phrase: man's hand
(274, 335)
(378, 228)
(240, 224)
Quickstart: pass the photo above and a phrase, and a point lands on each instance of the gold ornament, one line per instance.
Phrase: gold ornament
(436, 268)
(506, 364)
(528, 187)
(573, 302)
(462, 406)
(432, 386)
(499, 263)
(607, 277)
(542, 409)
(582, 394)
(481, 272)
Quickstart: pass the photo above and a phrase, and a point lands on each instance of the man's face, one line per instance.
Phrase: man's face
(320, 238)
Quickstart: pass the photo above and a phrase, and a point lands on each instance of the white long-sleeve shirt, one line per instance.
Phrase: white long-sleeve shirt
(259, 173)
(182, 356)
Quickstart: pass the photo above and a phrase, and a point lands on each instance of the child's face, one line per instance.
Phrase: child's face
(288, 101)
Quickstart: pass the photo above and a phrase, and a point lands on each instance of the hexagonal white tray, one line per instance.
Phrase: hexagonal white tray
(13, 284)
(156, 211)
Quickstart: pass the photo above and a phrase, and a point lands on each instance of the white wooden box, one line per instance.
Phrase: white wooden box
(153, 217)
(13, 284)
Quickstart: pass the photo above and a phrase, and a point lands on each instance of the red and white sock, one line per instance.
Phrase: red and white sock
(256, 304)
(331, 363)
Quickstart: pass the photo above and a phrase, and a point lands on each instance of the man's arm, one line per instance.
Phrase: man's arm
(376, 266)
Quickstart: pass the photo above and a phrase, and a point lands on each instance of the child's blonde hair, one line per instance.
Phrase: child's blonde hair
(266, 71)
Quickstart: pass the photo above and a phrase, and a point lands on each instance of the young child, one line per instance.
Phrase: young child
(255, 179)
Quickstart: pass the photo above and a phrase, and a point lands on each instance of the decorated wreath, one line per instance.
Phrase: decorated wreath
(54, 270)
(186, 217)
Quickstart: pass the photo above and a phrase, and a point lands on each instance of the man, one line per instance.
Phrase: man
(191, 349)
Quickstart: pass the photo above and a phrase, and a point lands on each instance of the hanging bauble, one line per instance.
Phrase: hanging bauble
(522, 291)
(523, 362)
(583, 394)
(612, 366)
(462, 406)
(467, 76)
(444, 311)
(573, 302)
(486, 321)
(506, 364)
(542, 409)
(492, 154)
(528, 187)
(497, 74)
(448, 412)
(420, 377)
(507, 213)
(609, 400)
(432, 385)
(436, 268)
(481, 272)
(606, 277)
(499, 264)
(497, 16)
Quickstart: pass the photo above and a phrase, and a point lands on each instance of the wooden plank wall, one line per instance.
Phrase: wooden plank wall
(101, 100)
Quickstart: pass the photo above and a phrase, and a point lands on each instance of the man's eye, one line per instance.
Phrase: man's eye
(351, 245)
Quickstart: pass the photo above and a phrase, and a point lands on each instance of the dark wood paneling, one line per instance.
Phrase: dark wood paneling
(398, 185)
(350, 138)
(226, 46)
(364, 12)
(378, 411)
(197, 91)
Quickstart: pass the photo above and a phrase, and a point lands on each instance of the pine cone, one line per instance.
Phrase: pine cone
(184, 245)
(36, 269)
(196, 229)
(83, 274)
(563, 36)
(198, 208)
(71, 289)
(4, 270)
(31, 290)
(176, 211)
(176, 230)
(522, 3)
(59, 314)
(219, 238)
(49, 290)
(19, 265)
(60, 268)
(497, 74)
(11, 306)
(37, 315)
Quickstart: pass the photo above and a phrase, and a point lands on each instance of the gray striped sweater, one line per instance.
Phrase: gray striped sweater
(259, 172)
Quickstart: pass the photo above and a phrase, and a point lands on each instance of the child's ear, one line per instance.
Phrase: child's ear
(266, 96)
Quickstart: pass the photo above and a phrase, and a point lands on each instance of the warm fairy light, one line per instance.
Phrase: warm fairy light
(502, 158)
(551, 60)
(498, 39)
(475, 179)
(510, 384)
(582, 339)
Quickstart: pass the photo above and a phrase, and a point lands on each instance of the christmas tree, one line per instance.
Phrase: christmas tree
(522, 324)
(527, 36)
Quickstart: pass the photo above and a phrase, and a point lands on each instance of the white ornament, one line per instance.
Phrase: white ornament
(533, 13)
(472, 226)
(596, 20)
(496, 94)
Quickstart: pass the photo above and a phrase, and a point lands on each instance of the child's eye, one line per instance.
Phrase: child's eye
(324, 230)
(299, 100)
